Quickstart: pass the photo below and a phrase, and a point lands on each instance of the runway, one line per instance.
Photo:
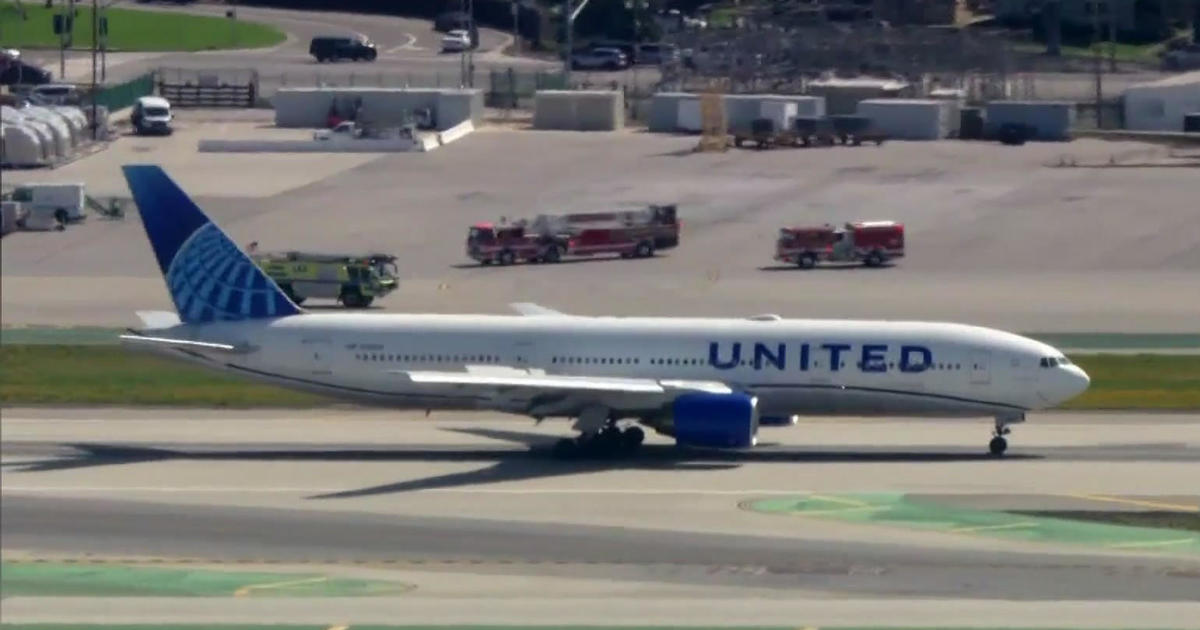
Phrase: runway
(469, 505)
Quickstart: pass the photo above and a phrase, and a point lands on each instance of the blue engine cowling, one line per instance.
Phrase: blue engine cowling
(715, 420)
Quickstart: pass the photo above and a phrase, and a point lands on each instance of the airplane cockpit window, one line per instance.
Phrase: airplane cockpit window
(1049, 362)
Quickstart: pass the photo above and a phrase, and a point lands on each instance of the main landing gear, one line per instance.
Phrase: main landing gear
(998, 444)
(610, 441)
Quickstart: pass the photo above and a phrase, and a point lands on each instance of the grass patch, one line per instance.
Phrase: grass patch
(1139, 381)
(1185, 521)
(112, 375)
(1128, 53)
(133, 30)
(108, 375)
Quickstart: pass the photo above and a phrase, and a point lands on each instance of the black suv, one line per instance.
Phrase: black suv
(334, 48)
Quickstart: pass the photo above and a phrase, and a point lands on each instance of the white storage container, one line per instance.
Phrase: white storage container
(688, 117)
(780, 112)
(908, 119)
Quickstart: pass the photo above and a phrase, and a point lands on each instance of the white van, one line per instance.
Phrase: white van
(61, 202)
(152, 114)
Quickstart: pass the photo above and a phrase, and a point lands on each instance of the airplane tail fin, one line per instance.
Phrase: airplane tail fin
(208, 276)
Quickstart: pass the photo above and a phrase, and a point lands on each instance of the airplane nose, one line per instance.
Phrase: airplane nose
(1079, 381)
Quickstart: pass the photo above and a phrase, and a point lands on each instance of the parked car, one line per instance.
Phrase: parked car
(151, 115)
(656, 54)
(1185, 57)
(456, 40)
(55, 94)
(17, 72)
(599, 59)
(327, 48)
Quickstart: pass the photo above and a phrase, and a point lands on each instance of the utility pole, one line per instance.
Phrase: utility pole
(569, 24)
(1097, 64)
(95, 48)
(516, 10)
(63, 33)
(467, 58)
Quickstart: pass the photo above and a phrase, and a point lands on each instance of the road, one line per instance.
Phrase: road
(471, 504)
(409, 53)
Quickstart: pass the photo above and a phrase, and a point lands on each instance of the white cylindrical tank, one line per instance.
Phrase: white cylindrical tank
(21, 146)
(45, 136)
(60, 134)
(75, 120)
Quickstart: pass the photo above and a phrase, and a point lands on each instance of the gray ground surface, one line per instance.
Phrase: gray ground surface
(994, 236)
(460, 506)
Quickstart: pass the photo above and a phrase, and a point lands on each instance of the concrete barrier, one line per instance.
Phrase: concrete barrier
(332, 145)
(311, 106)
(456, 132)
(579, 110)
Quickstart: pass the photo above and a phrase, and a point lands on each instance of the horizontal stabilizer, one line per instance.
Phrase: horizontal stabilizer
(152, 320)
(185, 344)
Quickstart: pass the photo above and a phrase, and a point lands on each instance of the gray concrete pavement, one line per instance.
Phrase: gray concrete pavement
(458, 505)
(994, 236)
(635, 609)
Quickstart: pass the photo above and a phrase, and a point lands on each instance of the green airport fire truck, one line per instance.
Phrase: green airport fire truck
(354, 280)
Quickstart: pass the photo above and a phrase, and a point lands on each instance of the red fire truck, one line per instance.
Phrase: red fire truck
(549, 238)
(872, 243)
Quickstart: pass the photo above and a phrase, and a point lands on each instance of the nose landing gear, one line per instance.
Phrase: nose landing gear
(998, 444)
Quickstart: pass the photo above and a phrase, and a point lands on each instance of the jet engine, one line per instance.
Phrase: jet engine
(715, 420)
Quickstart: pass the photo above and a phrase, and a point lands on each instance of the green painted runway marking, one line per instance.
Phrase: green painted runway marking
(38, 579)
(901, 511)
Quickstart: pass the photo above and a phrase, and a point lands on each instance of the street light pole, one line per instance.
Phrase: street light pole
(95, 47)
(467, 57)
(516, 9)
(569, 24)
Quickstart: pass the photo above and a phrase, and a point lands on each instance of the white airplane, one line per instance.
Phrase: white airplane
(706, 382)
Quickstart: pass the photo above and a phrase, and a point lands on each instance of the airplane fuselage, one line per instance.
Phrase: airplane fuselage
(827, 367)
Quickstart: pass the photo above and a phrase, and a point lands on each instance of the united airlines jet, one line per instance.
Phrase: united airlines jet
(704, 382)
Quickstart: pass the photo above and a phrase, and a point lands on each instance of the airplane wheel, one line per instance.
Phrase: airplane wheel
(633, 438)
(565, 448)
(997, 446)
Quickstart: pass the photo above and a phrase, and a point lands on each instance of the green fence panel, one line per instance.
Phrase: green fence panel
(125, 94)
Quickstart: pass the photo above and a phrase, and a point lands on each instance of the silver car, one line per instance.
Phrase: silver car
(599, 59)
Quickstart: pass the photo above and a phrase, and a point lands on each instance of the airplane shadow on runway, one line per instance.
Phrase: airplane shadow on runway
(564, 261)
(535, 461)
(828, 267)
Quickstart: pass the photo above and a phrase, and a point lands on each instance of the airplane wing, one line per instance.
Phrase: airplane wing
(530, 309)
(564, 393)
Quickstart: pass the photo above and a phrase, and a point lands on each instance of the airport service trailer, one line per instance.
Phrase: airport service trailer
(62, 202)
